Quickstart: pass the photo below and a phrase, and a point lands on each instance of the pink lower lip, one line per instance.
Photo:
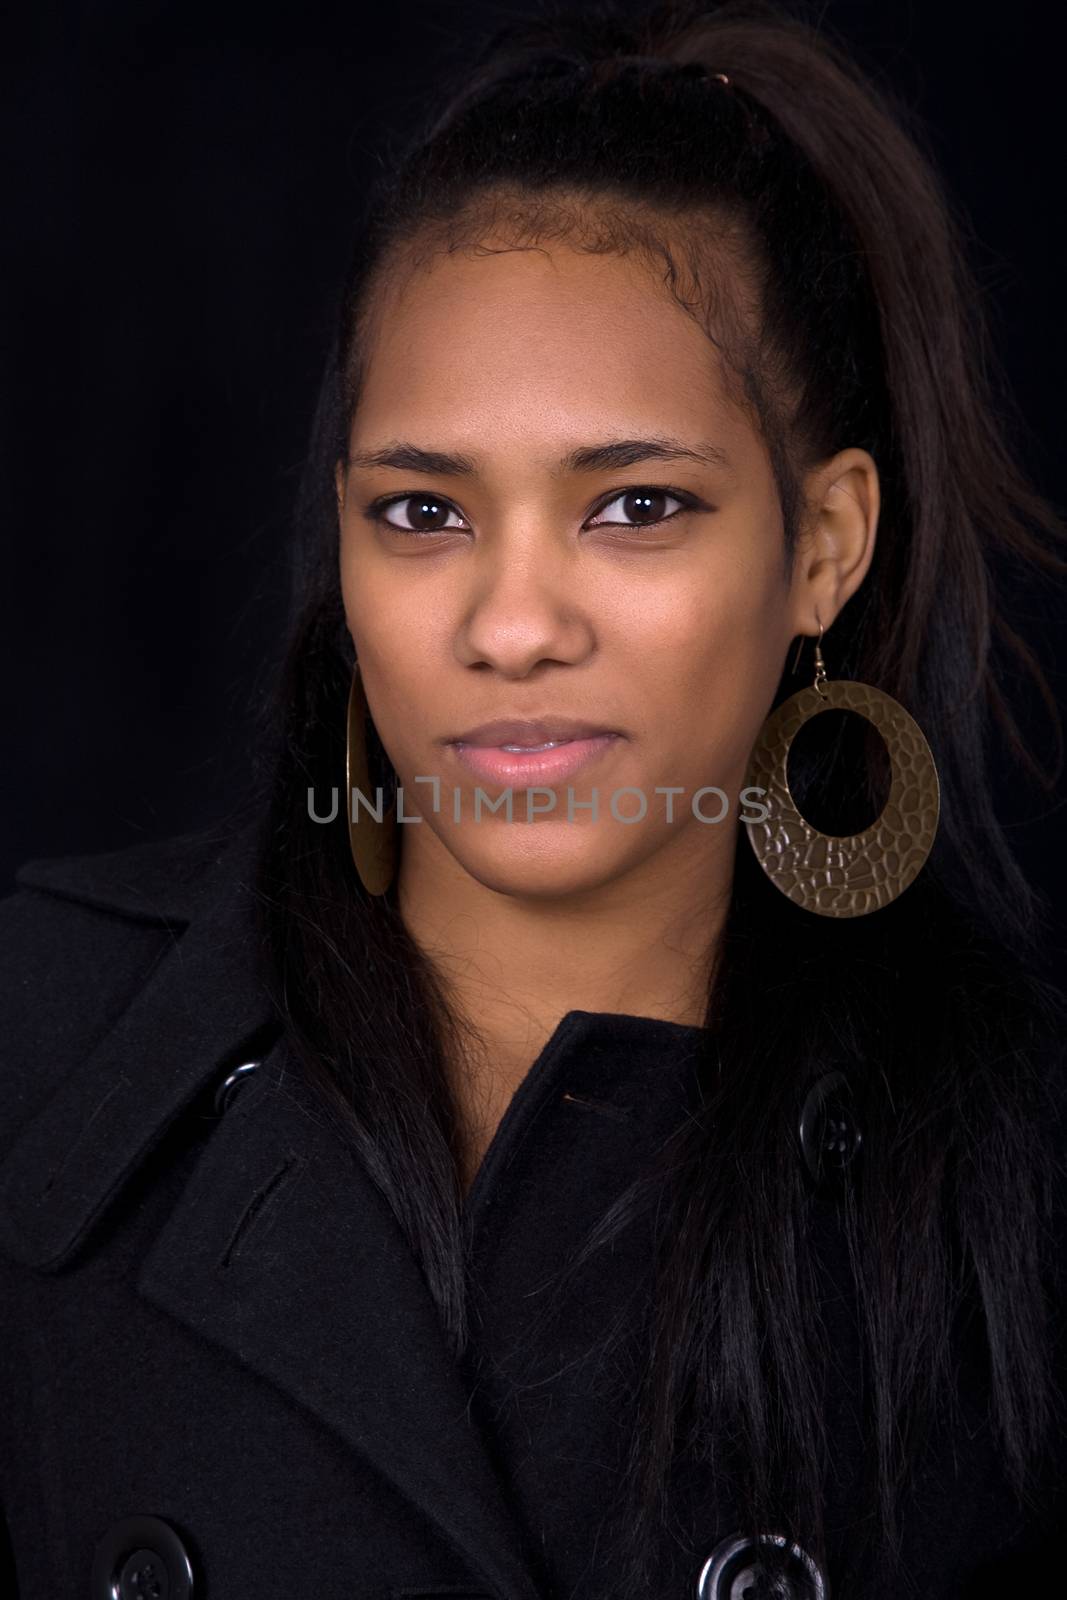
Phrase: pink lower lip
(536, 766)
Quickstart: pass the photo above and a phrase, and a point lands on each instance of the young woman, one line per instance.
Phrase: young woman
(620, 1153)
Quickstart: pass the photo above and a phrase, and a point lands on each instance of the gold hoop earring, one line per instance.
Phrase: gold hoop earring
(850, 875)
(372, 842)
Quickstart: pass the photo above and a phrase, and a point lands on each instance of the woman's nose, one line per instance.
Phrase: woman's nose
(523, 611)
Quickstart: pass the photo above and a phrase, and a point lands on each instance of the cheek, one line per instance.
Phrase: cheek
(709, 663)
(357, 588)
(388, 618)
(392, 645)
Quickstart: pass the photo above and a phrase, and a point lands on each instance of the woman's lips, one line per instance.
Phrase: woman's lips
(533, 766)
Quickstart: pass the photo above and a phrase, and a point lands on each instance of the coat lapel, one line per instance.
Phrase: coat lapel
(280, 1249)
(282, 1252)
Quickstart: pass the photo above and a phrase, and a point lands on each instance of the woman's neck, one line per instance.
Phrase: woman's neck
(512, 965)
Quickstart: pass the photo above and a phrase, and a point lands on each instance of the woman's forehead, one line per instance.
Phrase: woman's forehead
(562, 349)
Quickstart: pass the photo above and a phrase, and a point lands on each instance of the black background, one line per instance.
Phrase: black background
(185, 179)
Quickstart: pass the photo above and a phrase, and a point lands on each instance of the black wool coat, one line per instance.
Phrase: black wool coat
(222, 1375)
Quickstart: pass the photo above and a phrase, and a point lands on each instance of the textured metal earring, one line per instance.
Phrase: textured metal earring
(373, 842)
(849, 875)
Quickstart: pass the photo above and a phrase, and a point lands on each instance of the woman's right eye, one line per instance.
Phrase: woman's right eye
(418, 513)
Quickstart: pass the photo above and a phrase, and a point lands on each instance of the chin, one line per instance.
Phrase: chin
(545, 868)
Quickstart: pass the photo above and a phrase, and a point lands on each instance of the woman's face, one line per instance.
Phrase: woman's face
(566, 519)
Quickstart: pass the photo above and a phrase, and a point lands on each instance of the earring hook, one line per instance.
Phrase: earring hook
(820, 665)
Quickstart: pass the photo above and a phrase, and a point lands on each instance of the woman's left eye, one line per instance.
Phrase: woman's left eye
(643, 507)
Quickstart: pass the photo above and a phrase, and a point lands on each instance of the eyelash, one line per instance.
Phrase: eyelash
(688, 502)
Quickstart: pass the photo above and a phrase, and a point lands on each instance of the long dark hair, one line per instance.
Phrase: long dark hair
(801, 182)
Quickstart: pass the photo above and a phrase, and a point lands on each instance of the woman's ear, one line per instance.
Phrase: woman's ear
(836, 548)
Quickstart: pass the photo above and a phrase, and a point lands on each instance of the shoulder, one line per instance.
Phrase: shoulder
(73, 921)
(153, 881)
(79, 933)
(127, 977)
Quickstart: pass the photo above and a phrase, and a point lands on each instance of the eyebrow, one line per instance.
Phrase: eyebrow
(607, 456)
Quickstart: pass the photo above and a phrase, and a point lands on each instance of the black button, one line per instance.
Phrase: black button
(141, 1558)
(229, 1085)
(767, 1568)
(830, 1136)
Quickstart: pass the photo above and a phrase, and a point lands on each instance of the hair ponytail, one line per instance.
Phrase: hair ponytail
(793, 205)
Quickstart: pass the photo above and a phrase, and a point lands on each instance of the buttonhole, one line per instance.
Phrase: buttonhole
(256, 1207)
(620, 1113)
